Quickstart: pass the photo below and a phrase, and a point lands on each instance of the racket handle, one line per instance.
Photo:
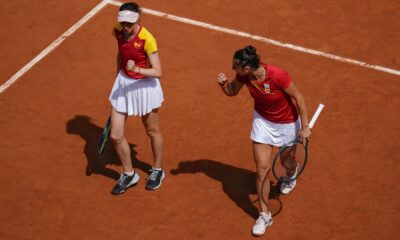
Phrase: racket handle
(316, 115)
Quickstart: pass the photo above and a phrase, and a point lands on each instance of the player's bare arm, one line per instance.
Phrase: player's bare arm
(154, 71)
(229, 88)
(119, 59)
(294, 92)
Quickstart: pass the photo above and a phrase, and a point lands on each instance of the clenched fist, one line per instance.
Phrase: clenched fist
(222, 79)
(130, 65)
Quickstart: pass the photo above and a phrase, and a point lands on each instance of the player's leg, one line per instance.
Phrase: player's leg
(262, 156)
(118, 139)
(150, 122)
(288, 159)
(129, 177)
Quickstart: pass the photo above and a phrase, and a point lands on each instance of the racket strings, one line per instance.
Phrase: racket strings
(288, 159)
(292, 159)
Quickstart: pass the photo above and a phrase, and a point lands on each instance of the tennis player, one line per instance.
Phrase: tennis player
(277, 106)
(136, 92)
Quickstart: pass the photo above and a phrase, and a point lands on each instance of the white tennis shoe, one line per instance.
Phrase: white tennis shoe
(263, 222)
(288, 183)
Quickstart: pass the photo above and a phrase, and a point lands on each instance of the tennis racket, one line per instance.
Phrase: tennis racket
(291, 159)
(104, 137)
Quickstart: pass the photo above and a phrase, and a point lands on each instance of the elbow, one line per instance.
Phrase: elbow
(158, 73)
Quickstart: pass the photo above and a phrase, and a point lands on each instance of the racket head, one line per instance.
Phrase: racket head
(290, 161)
(104, 137)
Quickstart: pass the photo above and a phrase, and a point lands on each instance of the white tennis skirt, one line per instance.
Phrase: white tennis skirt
(136, 97)
(275, 134)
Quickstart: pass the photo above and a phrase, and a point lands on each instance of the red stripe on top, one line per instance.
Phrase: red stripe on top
(134, 49)
(270, 100)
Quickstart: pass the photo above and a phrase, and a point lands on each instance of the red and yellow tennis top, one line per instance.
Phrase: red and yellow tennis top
(137, 49)
(270, 100)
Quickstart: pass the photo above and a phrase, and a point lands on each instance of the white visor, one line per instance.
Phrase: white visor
(127, 16)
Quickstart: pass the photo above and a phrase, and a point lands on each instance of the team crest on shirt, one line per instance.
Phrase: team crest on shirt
(263, 88)
(266, 88)
(137, 44)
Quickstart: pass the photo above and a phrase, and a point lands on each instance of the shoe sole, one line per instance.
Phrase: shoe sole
(159, 185)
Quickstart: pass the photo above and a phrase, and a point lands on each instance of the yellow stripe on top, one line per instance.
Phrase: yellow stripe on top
(150, 45)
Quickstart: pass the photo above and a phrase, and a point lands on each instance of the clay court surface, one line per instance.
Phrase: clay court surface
(52, 117)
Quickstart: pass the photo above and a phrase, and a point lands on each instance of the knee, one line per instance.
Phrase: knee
(116, 137)
(262, 171)
(264, 167)
(152, 132)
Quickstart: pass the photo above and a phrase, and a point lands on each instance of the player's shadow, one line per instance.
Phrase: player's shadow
(96, 164)
(237, 183)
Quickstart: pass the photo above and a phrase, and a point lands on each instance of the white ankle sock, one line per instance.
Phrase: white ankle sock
(130, 173)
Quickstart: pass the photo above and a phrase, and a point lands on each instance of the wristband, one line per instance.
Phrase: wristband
(224, 85)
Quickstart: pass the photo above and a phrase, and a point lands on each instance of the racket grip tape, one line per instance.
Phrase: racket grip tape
(316, 115)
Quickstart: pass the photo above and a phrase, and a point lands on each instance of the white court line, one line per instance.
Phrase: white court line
(53, 45)
(265, 40)
(101, 5)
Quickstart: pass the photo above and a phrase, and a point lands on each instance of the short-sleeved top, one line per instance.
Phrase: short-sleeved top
(137, 49)
(270, 100)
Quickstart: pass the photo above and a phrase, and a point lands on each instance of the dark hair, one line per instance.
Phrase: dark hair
(247, 57)
(131, 6)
